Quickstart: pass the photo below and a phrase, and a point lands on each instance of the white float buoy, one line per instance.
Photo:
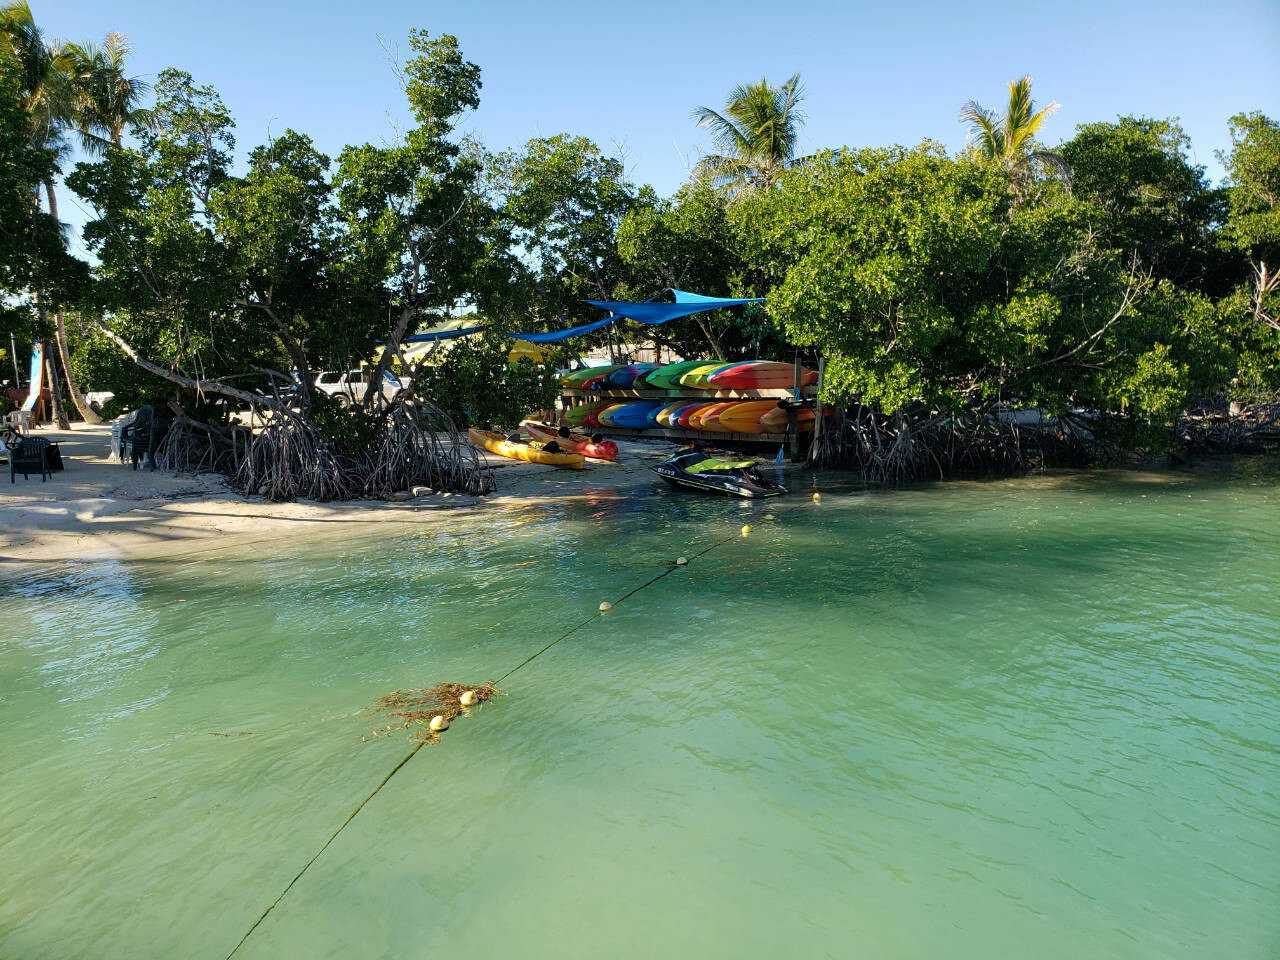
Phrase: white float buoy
(768, 516)
(681, 561)
(606, 606)
(438, 723)
(468, 698)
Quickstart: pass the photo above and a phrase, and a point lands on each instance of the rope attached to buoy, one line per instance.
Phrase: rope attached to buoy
(604, 607)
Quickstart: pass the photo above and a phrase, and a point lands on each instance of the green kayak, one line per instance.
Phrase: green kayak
(668, 377)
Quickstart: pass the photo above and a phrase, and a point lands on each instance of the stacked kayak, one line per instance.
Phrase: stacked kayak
(579, 378)
(714, 416)
(627, 376)
(699, 378)
(745, 417)
(696, 379)
(692, 374)
(668, 377)
(496, 443)
(577, 416)
(760, 375)
(634, 416)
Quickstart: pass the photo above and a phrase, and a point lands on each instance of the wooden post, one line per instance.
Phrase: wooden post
(817, 412)
(792, 420)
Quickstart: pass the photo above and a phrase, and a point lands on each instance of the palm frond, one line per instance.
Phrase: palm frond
(724, 131)
(984, 128)
(1021, 124)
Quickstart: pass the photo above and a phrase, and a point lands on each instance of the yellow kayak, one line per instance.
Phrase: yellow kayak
(496, 443)
(697, 377)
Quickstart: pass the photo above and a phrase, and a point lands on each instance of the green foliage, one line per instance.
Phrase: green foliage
(1253, 231)
(415, 213)
(23, 167)
(99, 365)
(1010, 139)
(1253, 176)
(1147, 197)
(299, 279)
(927, 287)
(217, 274)
(694, 242)
(877, 255)
(563, 200)
(165, 277)
(929, 282)
(477, 385)
(348, 430)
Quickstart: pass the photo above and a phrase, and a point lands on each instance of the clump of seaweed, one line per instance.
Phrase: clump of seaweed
(418, 708)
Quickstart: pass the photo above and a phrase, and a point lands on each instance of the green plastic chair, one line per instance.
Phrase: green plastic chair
(31, 455)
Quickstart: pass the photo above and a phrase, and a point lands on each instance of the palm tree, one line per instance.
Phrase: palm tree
(106, 99)
(66, 87)
(46, 96)
(756, 136)
(1011, 139)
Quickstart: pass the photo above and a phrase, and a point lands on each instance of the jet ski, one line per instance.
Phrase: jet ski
(695, 470)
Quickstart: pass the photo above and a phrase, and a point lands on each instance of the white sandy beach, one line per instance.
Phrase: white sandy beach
(97, 507)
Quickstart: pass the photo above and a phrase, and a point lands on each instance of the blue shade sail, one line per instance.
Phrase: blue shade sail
(684, 296)
(646, 312)
(654, 313)
(440, 335)
(555, 336)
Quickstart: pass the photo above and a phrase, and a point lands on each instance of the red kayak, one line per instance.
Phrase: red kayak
(602, 450)
(761, 375)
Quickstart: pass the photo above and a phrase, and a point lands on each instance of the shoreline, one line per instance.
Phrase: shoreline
(98, 509)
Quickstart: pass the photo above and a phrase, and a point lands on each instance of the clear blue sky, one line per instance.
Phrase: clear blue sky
(876, 72)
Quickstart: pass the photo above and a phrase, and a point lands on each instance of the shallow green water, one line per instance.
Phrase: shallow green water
(1034, 718)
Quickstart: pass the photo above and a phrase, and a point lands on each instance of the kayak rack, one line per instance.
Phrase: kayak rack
(688, 436)
(797, 396)
(627, 393)
(569, 396)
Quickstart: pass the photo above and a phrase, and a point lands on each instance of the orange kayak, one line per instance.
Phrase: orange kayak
(745, 417)
(710, 419)
(685, 418)
(775, 421)
(604, 450)
(700, 418)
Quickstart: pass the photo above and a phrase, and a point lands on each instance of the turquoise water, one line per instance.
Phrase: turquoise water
(1037, 717)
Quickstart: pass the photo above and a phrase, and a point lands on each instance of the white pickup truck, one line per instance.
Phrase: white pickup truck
(351, 386)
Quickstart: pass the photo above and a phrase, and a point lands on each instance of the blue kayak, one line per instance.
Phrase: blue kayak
(636, 415)
(626, 376)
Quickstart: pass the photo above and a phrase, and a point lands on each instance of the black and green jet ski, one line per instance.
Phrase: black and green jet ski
(695, 470)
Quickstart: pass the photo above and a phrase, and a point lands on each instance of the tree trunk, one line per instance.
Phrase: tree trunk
(55, 392)
(60, 335)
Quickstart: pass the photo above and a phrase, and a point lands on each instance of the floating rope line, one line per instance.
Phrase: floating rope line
(394, 770)
(412, 753)
(596, 616)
